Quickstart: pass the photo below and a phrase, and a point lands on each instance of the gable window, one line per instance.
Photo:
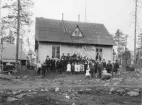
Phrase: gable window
(77, 32)
(56, 52)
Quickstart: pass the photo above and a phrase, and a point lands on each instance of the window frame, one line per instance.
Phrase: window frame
(56, 52)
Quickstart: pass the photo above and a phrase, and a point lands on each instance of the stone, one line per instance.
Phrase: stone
(116, 84)
(121, 91)
(133, 93)
(24, 77)
(97, 80)
(10, 99)
(20, 96)
(46, 89)
(107, 84)
(30, 90)
(57, 103)
(88, 89)
(56, 89)
(73, 104)
(68, 97)
(136, 90)
(80, 91)
(112, 89)
(42, 90)
(19, 91)
(14, 92)
(7, 77)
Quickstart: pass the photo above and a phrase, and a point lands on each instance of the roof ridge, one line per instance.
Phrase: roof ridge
(68, 21)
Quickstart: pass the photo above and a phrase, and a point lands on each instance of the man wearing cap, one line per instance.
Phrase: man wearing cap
(48, 63)
(109, 67)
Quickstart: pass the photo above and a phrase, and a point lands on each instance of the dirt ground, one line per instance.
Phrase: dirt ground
(56, 89)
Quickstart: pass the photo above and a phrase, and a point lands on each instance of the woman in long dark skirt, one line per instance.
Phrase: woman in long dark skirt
(116, 67)
(99, 69)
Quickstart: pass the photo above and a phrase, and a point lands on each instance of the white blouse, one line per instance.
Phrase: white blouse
(68, 67)
(76, 68)
(87, 73)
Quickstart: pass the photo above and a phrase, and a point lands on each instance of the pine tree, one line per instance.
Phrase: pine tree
(140, 40)
(121, 41)
(10, 20)
(9, 39)
(18, 17)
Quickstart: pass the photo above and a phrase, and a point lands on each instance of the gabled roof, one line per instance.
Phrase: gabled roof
(54, 31)
(9, 53)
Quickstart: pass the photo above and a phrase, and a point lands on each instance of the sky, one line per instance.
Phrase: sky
(114, 14)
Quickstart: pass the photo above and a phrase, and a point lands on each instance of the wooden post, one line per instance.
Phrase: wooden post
(1, 38)
(18, 33)
(135, 31)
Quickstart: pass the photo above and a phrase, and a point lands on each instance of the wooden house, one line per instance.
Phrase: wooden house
(55, 37)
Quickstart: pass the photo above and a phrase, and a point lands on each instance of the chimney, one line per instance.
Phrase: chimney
(62, 16)
(78, 18)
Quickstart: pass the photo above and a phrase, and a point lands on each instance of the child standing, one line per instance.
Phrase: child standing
(72, 68)
(38, 68)
(68, 68)
(87, 74)
(78, 68)
(75, 68)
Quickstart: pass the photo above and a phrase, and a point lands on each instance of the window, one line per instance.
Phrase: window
(99, 53)
(77, 32)
(56, 52)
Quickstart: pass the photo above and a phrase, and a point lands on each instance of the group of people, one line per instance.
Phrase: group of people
(76, 64)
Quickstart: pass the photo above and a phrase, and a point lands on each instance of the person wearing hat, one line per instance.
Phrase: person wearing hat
(104, 63)
(109, 67)
(38, 68)
(99, 68)
(116, 67)
(48, 63)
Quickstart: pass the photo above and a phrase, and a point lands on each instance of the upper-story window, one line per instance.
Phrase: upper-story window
(77, 32)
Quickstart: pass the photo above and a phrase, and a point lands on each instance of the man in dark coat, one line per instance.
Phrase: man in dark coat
(53, 65)
(63, 56)
(57, 65)
(64, 59)
(68, 57)
(116, 66)
(85, 65)
(109, 67)
(61, 66)
(47, 61)
(104, 63)
(99, 68)
(96, 67)
(92, 69)
(44, 69)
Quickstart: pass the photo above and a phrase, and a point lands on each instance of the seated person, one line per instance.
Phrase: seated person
(105, 75)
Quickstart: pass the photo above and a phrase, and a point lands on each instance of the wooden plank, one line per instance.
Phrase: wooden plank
(7, 77)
